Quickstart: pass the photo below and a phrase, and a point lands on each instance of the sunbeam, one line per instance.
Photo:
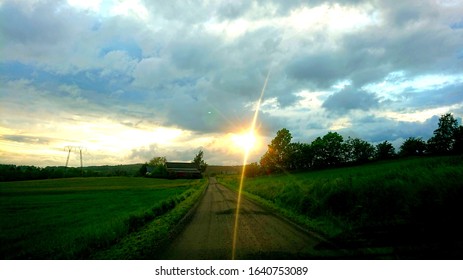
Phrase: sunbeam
(245, 161)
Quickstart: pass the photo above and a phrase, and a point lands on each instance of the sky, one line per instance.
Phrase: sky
(126, 81)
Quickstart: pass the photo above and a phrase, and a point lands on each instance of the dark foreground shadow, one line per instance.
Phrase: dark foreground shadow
(403, 241)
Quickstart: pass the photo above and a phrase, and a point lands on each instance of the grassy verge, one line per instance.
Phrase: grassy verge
(421, 196)
(72, 218)
(147, 243)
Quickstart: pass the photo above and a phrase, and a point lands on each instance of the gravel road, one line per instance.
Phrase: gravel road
(261, 234)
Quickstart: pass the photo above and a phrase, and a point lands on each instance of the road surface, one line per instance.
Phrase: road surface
(261, 234)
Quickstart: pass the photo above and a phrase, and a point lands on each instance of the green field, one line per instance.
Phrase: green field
(386, 203)
(73, 218)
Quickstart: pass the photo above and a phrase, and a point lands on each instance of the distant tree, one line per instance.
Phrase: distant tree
(252, 170)
(412, 146)
(156, 167)
(385, 150)
(334, 148)
(300, 156)
(444, 136)
(328, 150)
(318, 151)
(143, 170)
(199, 161)
(358, 150)
(156, 161)
(277, 156)
(458, 144)
(267, 163)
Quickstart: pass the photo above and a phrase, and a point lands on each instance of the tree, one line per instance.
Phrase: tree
(333, 148)
(277, 156)
(157, 167)
(318, 151)
(358, 150)
(385, 150)
(143, 169)
(199, 161)
(252, 170)
(412, 146)
(329, 150)
(458, 144)
(157, 161)
(444, 136)
(300, 156)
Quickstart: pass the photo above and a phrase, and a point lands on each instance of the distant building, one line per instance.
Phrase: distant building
(182, 170)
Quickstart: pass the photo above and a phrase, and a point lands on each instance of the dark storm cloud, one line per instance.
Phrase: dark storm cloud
(350, 98)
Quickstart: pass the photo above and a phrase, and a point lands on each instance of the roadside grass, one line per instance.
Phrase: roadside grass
(423, 193)
(150, 240)
(73, 218)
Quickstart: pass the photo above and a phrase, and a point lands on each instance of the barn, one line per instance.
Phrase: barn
(183, 170)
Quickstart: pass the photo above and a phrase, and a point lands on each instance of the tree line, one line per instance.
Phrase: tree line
(155, 168)
(333, 150)
(11, 172)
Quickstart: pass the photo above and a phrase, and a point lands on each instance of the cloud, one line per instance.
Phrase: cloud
(321, 69)
(350, 98)
(25, 139)
(378, 129)
(445, 96)
(24, 27)
(233, 9)
(144, 153)
(198, 67)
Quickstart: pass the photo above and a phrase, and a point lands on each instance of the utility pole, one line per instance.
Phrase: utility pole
(81, 164)
(69, 149)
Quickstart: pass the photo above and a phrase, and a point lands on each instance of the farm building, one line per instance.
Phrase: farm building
(183, 170)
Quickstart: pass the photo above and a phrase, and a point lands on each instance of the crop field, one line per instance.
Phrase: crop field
(401, 201)
(72, 218)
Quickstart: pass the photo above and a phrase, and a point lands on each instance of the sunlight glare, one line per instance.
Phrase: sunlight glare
(245, 141)
(245, 161)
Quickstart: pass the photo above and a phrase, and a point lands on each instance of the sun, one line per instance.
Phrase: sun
(244, 141)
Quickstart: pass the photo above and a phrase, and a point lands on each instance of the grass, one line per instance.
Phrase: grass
(149, 241)
(73, 218)
(421, 193)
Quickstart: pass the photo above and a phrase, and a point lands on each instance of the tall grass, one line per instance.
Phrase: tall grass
(72, 218)
(420, 191)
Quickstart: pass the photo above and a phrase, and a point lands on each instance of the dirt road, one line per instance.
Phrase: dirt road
(261, 235)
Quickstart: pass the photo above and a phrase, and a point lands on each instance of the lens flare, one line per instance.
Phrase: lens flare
(245, 161)
(245, 141)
